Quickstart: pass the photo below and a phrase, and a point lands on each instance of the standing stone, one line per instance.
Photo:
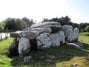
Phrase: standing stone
(44, 40)
(55, 39)
(69, 37)
(76, 34)
(61, 36)
(24, 45)
(65, 28)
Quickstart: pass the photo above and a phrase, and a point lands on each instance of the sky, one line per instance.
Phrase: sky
(77, 10)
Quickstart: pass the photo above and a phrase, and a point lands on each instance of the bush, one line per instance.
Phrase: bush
(87, 28)
(14, 24)
(2, 24)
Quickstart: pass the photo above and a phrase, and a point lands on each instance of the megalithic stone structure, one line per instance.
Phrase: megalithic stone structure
(45, 35)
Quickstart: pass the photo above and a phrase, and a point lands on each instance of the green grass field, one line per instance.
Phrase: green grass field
(64, 56)
(4, 60)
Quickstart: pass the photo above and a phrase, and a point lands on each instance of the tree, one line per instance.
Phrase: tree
(20, 24)
(10, 24)
(87, 28)
(28, 21)
(15, 24)
(76, 25)
(62, 20)
(82, 27)
(2, 25)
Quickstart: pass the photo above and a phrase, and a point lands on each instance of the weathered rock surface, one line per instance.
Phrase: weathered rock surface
(75, 45)
(65, 28)
(15, 34)
(46, 25)
(47, 34)
(44, 40)
(24, 45)
(27, 59)
(42, 30)
(57, 38)
(69, 35)
(30, 34)
(76, 34)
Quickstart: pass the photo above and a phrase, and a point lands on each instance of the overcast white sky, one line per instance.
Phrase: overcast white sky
(39, 9)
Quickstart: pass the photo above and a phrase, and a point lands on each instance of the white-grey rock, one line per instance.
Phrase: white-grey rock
(69, 35)
(46, 25)
(30, 34)
(47, 40)
(41, 30)
(27, 29)
(27, 59)
(79, 44)
(61, 36)
(48, 34)
(24, 45)
(75, 45)
(57, 38)
(44, 40)
(72, 35)
(75, 34)
(65, 28)
(15, 34)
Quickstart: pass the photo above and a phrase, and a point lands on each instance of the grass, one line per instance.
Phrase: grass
(63, 56)
(84, 37)
(4, 60)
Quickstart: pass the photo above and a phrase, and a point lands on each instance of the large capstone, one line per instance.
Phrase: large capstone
(30, 34)
(46, 25)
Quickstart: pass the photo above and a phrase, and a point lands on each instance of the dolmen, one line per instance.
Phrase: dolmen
(45, 35)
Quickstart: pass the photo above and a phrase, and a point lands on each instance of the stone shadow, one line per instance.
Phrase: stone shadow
(49, 57)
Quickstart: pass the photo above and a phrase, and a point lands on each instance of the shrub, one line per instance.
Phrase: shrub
(87, 28)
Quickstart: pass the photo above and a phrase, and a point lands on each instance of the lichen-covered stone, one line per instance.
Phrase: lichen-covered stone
(69, 35)
(46, 25)
(24, 45)
(65, 28)
(44, 40)
(57, 38)
(76, 34)
(30, 34)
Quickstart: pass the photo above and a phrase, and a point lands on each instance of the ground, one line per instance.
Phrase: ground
(52, 57)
